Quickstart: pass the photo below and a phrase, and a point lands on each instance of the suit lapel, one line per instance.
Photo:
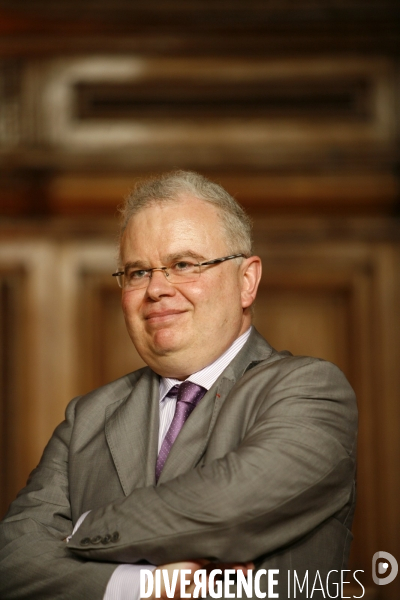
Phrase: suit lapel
(192, 441)
(132, 433)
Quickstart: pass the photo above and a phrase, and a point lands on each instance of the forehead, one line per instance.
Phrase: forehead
(162, 229)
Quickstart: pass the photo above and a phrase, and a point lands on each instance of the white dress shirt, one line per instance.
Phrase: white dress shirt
(124, 583)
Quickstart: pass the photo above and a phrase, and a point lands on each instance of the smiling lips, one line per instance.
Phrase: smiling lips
(164, 315)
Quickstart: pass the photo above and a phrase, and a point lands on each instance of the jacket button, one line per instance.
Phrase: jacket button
(96, 540)
(115, 536)
(106, 539)
(85, 541)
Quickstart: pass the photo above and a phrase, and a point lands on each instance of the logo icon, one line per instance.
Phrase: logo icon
(387, 566)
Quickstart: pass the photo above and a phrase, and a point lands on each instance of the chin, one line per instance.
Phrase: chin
(166, 341)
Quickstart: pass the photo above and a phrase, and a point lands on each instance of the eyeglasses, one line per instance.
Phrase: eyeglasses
(182, 271)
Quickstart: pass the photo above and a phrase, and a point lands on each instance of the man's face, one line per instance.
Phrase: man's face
(179, 329)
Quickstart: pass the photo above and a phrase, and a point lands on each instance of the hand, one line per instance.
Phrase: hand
(193, 566)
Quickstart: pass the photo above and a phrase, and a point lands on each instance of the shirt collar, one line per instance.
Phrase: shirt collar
(207, 376)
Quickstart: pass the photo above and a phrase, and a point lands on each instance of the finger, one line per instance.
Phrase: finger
(244, 567)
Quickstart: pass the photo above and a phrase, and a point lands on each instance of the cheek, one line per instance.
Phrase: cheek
(130, 305)
(210, 302)
(201, 298)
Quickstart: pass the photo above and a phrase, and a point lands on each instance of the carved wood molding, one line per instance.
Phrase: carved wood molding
(303, 134)
(303, 103)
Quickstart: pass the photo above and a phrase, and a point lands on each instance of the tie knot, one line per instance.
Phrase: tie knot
(190, 393)
(173, 392)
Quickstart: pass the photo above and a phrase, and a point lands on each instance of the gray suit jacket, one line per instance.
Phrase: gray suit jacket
(263, 470)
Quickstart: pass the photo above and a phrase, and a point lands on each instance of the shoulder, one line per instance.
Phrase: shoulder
(301, 392)
(262, 368)
(303, 372)
(301, 386)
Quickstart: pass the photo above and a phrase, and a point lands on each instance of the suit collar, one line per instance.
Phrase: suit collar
(207, 376)
(255, 350)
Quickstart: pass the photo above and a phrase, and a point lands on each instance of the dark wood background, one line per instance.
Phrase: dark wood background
(294, 107)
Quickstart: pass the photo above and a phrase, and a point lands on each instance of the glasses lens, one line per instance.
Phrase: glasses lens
(183, 271)
(180, 272)
(135, 278)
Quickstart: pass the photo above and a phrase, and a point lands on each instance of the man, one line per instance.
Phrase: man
(261, 473)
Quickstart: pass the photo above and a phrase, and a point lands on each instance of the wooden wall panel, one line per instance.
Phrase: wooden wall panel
(109, 350)
(266, 193)
(309, 322)
(11, 383)
(30, 353)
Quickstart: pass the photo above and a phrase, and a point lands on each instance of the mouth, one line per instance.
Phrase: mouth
(163, 316)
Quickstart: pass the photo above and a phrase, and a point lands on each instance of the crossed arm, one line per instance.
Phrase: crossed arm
(291, 471)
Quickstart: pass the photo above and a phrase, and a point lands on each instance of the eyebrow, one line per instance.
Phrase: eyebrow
(170, 258)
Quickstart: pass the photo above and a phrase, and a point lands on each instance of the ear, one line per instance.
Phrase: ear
(251, 275)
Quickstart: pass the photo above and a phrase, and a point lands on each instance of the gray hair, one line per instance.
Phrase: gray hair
(175, 185)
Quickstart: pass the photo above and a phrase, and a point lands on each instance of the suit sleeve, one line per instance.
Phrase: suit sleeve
(34, 560)
(293, 469)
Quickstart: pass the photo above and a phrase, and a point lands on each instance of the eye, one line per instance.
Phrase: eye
(133, 274)
(183, 265)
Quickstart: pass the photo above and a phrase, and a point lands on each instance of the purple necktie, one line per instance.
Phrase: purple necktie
(188, 395)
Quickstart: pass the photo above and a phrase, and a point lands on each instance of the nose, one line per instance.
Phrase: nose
(159, 285)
